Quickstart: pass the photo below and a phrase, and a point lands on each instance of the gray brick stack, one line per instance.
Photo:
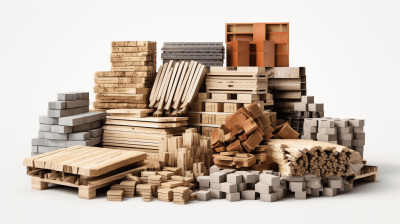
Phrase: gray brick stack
(68, 122)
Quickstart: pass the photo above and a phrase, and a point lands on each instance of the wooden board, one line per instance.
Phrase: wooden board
(150, 119)
(129, 111)
(146, 124)
(143, 129)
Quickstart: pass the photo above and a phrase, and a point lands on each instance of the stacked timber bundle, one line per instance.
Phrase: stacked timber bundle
(132, 74)
(97, 168)
(181, 195)
(134, 129)
(183, 151)
(175, 87)
(298, 157)
(165, 195)
(115, 195)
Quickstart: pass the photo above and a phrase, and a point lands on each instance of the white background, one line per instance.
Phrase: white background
(350, 49)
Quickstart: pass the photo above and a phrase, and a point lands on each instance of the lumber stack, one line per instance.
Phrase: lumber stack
(128, 84)
(186, 150)
(297, 157)
(134, 129)
(175, 87)
(82, 167)
(68, 122)
(227, 90)
(347, 132)
(181, 195)
(206, 53)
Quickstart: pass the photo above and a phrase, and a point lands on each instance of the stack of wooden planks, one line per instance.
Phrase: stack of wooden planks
(298, 157)
(131, 78)
(85, 168)
(183, 151)
(134, 129)
(115, 195)
(175, 87)
(227, 90)
(181, 195)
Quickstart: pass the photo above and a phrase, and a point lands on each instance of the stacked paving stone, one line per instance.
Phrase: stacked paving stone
(347, 132)
(206, 53)
(68, 123)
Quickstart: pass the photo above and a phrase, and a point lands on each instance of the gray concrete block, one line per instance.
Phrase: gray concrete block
(344, 142)
(41, 134)
(332, 183)
(316, 107)
(329, 192)
(234, 178)
(279, 193)
(44, 119)
(359, 135)
(346, 130)
(263, 188)
(60, 113)
(228, 187)
(308, 190)
(214, 169)
(233, 197)
(307, 99)
(202, 188)
(356, 122)
(45, 127)
(251, 186)
(358, 142)
(297, 186)
(204, 181)
(72, 120)
(38, 141)
(94, 125)
(311, 122)
(345, 136)
(358, 129)
(89, 142)
(308, 135)
(218, 177)
(315, 192)
(217, 194)
(61, 129)
(328, 131)
(323, 137)
(215, 186)
(249, 177)
(203, 195)
(269, 179)
(44, 149)
(341, 123)
(34, 148)
(58, 105)
(96, 132)
(302, 195)
(241, 186)
(248, 195)
(58, 143)
(310, 129)
(81, 127)
(81, 95)
(300, 106)
(66, 96)
(79, 136)
(269, 197)
(326, 124)
(35, 154)
(51, 135)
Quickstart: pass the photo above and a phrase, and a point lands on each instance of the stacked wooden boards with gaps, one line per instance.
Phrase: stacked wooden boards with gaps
(135, 129)
(227, 90)
(175, 87)
(131, 78)
(85, 168)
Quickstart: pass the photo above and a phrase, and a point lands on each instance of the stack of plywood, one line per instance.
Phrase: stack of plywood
(175, 87)
(97, 168)
(183, 151)
(132, 74)
(133, 129)
(227, 90)
(68, 123)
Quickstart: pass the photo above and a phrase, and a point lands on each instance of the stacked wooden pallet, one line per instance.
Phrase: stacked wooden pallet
(227, 90)
(85, 168)
(186, 150)
(132, 74)
(134, 129)
(175, 86)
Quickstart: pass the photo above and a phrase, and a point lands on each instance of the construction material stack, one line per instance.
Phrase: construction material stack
(227, 90)
(131, 78)
(68, 122)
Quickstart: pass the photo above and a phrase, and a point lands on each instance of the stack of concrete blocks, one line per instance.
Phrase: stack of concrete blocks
(314, 186)
(347, 132)
(270, 187)
(68, 123)
(307, 104)
(304, 109)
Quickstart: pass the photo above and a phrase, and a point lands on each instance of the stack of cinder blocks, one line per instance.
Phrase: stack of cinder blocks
(241, 185)
(128, 84)
(207, 53)
(347, 132)
(68, 123)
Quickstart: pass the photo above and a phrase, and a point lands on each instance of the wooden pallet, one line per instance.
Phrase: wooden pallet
(371, 176)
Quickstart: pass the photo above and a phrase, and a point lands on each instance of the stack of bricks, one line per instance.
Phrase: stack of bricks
(227, 90)
(304, 109)
(206, 53)
(131, 78)
(347, 132)
(68, 123)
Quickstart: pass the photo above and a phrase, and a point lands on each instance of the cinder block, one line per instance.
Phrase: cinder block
(241, 186)
(66, 96)
(218, 177)
(300, 106)
(269, 197)
(341, 123)
(89, 142)
(34, 148)
(308, 135)
(96, 132)
(315, 192)
(346, 130)
(228, 187)
(58, 105)
(308, 190)
(45, 127)
(328, 131)
(297, 186)
(302, 195)
(335, 183)
(359, 135)
(234, 178)
(322, 137)
(251, 186)
(326, 124)
(329, 192)
(215, 186)
(249, 177)
(203, 195)
(310, 129)
(80, 95)
(307, 99)
(79, 136)
(248, 195)
(217, 194)
(311, 122)
(344, 142)
(358, 142)
(269, 179)
(58, 143)
(44, 119)
(283, 184)
(41, 134)
(204, 181)
(279, 193)
(345, 136)
(263, 188)
(233, 197)
(72, 120)
(316, 107)
(61, 129)
(58, 136)
(358, 129)
(39, 141)
(356, 122)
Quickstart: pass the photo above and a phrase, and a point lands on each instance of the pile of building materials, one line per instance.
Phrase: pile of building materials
(348, 132)
(131, 78)
(186, 151)
(175, 86)
(85, 168)
(68, 122)
(134, 129)
(207, 53)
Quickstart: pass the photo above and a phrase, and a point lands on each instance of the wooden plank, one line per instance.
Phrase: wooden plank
(179, 77)
(131, 145)
(146, 124)
(183, 87)
(157, 84)
(130, 111)
(150, 119)
(143, 129)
